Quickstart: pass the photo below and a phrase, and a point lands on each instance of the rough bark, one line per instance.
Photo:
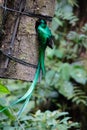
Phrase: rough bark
(1, 2)
(0, 14)
(26, 45)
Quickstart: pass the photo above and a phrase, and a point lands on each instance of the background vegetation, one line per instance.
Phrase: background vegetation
(59, 102)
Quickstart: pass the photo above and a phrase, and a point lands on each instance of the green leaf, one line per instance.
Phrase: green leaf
(65, 71)
(65, 120)
(73, 2)
(62, 127)
(50, 53)
(62, 114)
(10, 128)
(58, 21)
(49, 77)
(66, 89)
(79, 74)
(59, 53)
(54, 25)
(4, 89)
(8, 113)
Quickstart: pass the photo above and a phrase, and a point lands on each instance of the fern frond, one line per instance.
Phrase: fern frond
(73, 2)
(79, 96)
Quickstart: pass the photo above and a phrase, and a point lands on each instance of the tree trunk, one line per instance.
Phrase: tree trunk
(1, 19)
(26, 45)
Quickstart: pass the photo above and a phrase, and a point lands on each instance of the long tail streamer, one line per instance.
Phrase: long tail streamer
(28, 94)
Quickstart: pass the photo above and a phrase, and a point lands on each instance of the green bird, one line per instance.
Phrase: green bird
(45, 39)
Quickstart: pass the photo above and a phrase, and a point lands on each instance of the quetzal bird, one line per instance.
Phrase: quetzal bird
(45, 39)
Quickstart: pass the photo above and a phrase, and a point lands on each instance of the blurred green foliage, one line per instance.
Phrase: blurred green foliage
(65, 82)
(3, 89)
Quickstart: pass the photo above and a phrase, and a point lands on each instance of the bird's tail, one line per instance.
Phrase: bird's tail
(28, 94)
(41, 59)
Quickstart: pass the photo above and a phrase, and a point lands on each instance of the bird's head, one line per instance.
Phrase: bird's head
(40, 22)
